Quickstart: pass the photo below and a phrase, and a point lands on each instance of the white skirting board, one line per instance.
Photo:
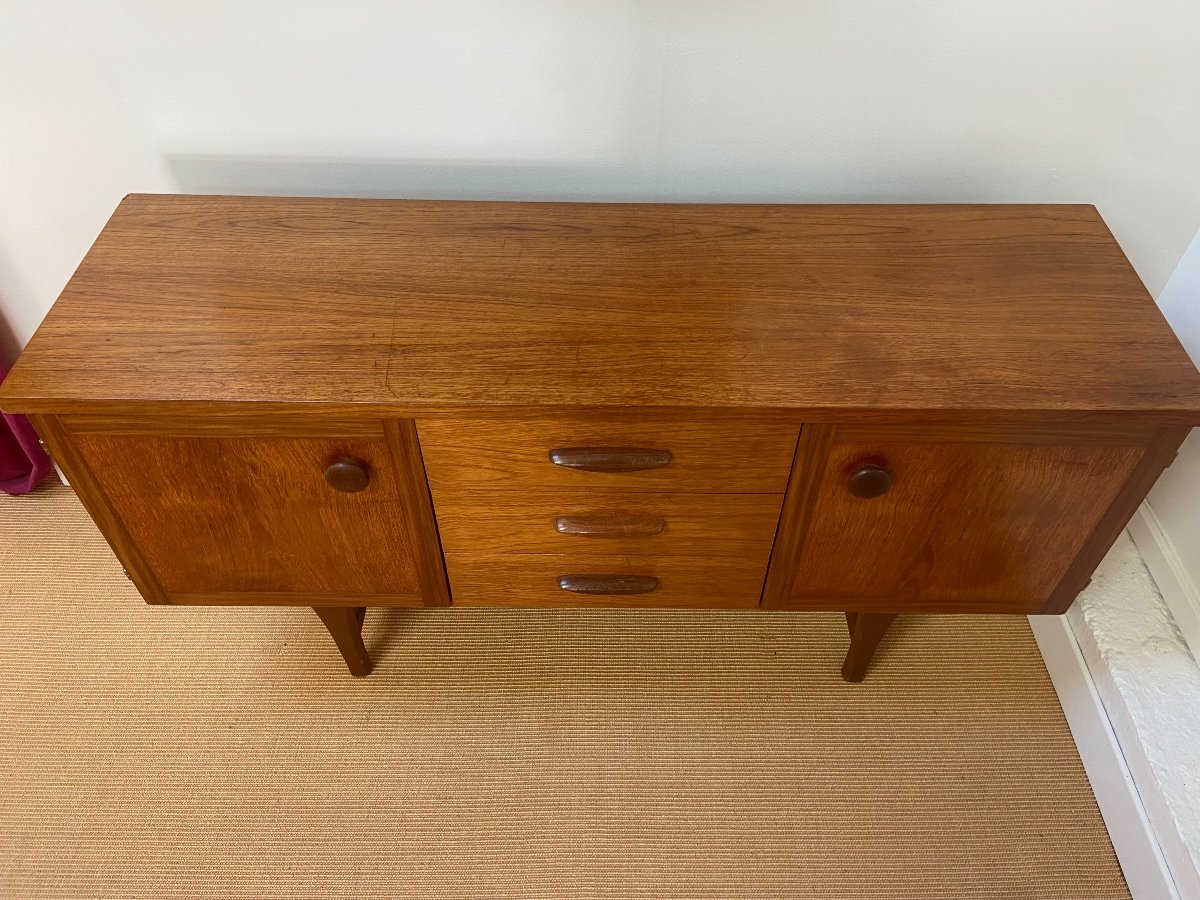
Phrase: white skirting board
(1132, 835)
(1179, 591)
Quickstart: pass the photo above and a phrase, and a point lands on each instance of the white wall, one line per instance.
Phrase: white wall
(1076, 100)
(939, 100)
(1175, 499)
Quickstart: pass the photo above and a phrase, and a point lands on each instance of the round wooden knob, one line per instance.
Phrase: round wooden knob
(870, 481)
(348, 475)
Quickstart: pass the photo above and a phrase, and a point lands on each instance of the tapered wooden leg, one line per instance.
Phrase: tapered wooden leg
(345, 627)
(866, 631)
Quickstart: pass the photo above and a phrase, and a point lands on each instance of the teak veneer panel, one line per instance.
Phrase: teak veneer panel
(980, 525)
(255, 516)
(421, 304)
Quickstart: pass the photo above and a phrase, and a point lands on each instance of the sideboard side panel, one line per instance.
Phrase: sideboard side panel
(798, 503)
(416, 504)
(1158, 456)
(87, 489)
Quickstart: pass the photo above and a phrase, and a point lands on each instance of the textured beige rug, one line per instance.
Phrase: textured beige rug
(155, 752)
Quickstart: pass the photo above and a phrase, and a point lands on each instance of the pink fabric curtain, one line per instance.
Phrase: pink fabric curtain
(23, 463)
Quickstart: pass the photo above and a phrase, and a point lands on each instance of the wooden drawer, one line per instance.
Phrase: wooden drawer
(612, 522)
(739, 455)
(521, 579)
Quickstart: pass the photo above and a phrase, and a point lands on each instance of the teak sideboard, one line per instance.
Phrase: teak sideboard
(344, 404)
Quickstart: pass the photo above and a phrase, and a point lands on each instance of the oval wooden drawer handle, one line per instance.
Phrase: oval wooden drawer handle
(610, 459)
(613, 525)
(348, 475)
(870, 481)
(608, 584)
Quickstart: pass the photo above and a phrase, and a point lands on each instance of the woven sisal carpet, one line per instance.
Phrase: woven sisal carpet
(152, 752)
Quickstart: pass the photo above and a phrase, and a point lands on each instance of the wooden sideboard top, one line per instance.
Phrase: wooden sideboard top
(412, 305)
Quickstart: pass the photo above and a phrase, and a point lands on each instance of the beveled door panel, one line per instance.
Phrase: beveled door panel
(939, 520)
(278, 517)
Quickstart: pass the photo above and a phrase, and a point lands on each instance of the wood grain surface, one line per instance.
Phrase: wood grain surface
(87, 486)
(427, 304)
(523, 579)
(1161, 453)
(467, 453)
(254, 515)
(965, 526)
(698, 525)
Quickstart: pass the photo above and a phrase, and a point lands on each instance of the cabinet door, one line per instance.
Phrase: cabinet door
(941, 519)
(269, 517)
